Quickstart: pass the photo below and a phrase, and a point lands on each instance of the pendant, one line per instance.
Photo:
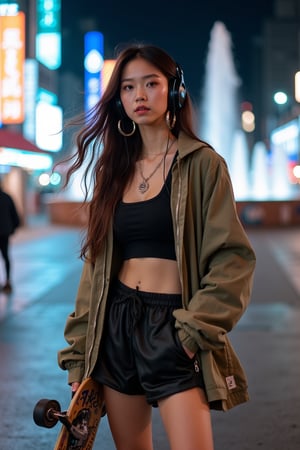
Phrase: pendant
(143, 186)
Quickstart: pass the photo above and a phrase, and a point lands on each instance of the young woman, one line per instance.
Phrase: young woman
(168, 267)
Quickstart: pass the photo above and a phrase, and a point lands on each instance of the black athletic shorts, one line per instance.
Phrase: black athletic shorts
(140, 352)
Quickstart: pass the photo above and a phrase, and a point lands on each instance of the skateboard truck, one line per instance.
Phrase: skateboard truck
(48, 412)
(81, 435)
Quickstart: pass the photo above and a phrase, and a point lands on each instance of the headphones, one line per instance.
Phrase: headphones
(177, 91)
(176, 95)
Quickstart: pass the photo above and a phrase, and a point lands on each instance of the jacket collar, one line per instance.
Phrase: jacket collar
(187, 144)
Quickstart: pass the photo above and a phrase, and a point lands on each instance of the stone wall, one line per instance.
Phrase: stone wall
(251, 213)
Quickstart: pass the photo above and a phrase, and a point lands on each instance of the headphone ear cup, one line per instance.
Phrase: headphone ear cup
(177, 91)
(181, 95)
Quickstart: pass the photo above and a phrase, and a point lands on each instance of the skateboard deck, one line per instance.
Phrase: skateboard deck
(80, 421)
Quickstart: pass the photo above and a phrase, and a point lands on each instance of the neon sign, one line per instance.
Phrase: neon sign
(12, 56)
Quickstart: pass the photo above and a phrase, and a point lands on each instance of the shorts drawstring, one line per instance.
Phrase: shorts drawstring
(136, 308)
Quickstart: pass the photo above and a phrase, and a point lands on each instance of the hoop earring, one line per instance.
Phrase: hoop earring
(123, 132)
(170, 124)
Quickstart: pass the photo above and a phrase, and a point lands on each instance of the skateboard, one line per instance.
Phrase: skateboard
(80, 422)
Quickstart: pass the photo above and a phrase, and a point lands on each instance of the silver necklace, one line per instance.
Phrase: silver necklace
(144, 184)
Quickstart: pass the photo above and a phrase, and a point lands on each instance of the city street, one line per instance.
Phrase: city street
(46, 270)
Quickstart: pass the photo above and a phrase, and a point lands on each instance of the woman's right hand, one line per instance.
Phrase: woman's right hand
(74, 387)
(188, 352)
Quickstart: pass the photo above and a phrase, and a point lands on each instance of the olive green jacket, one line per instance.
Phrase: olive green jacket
(216, 264)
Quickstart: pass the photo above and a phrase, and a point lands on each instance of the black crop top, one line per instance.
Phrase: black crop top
(145, 229)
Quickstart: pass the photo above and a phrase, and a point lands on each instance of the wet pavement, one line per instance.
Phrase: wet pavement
(45, 273)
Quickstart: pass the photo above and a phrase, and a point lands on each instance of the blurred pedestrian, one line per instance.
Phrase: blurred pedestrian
(9, 221)
(168, 267)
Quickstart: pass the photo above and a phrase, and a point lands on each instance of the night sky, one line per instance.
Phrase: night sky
(182, 28)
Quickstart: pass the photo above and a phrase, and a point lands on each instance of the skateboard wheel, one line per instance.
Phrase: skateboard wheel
(44, 413)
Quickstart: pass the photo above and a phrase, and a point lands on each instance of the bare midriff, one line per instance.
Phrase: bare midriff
(151, 275)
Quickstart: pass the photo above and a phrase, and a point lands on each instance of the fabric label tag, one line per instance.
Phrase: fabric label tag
(231, 384)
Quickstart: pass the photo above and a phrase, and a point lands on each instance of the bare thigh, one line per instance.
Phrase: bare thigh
(130, 420)
(187, 421)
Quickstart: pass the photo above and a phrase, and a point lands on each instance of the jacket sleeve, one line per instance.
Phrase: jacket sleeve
(72, 358)
(220, 262)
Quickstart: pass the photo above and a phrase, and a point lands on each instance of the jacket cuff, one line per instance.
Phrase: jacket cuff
(188, 341)
(75, 373)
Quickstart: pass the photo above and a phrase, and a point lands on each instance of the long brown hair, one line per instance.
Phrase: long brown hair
(110, 157)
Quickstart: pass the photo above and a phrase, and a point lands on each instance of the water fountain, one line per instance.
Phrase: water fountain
(260, 183)
(239, 166)
(219, 117)
(281, 188)
(253, 178)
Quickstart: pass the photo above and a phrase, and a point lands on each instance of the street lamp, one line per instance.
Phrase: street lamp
(280, 98)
